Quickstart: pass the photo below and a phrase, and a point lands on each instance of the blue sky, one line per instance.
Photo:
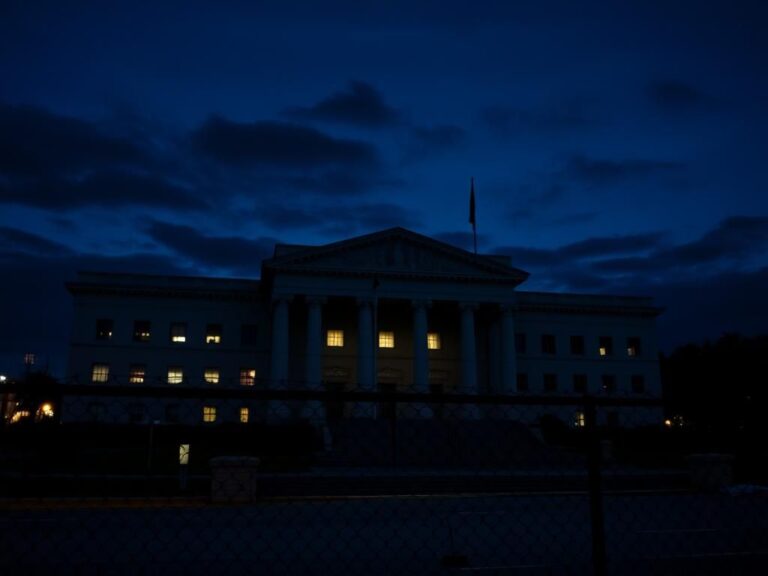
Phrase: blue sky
(616, 149)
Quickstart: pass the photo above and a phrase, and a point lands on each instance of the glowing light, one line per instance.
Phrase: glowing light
(183, 454)
(244, 414)
(386, 339)
(247, 376)
(211, 376)
(3, 378)
(19, 416)
(433, 341)
(209, 413)
(668, 423)
(335, 339)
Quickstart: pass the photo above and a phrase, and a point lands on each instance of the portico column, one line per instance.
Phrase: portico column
(468, 348)
(279, 372)
(420, 350)
(508, 352)
(365, 350)
(313, 374)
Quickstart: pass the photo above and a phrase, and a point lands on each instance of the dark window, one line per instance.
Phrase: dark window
(137, 374)
(521, 345)
(142, 330)
(638, 383)
(633, 346)
(548, 345)
(213, 334)
(104, 329)
(550, 382)
(178, 332)
(248, 335)
(522, 382)
(137, 412)
(580, 383)
(172, 413)
(612, 419)
(606, 346)
(577, 345)
(609, 383)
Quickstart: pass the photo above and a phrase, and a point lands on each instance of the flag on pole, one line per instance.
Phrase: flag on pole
(472, 219)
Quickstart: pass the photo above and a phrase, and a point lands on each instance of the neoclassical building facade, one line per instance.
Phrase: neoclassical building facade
(393, 311)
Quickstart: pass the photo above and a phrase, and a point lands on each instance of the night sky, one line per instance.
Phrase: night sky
(614, 149)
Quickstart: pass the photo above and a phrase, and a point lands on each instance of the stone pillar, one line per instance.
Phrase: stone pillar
(280, 342)
(420, 359)
(313, 410)
(508, 352)
(365, 361)
(468, 348)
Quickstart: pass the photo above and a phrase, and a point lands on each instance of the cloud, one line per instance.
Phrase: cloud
(359, 105)
(336, 219)
(107, 188)
(34, 142)
(278, 144)
(606, 172)
(672, 96)
(509, 121)
(426, 141)
(20, 242)
(232, 253)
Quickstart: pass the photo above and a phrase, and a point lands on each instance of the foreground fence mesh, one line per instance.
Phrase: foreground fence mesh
(298, 482)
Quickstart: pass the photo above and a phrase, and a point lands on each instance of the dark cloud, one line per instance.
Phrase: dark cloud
(674, 96)
(606, 172)
(104, 189)
(360, 105)
(426, 141)
(278, 144)
(609, 245)
(20, 242)
(232, 253)
(333, 219)
(34, 142)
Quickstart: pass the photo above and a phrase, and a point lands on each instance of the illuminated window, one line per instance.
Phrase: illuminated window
(137, 374)
(247, 376)
(633, 346)
(244, 414)
(577, 345)
(548, 344)
(209, 413)
(175, 375)
(522, 382)
(579, 420)
(178, 332)
(550, 382)
(386, 339)
(104, 329)
(580, 383)
(211, 375)
(335, 339)
(521, 343)
(142, 330)
(29, 359)
(45, 411)
(638, 384)
(100, 373)
(609, 383)
(213, 334)
(183, 454)
(606, 346)
(20, 415)
(433, 341)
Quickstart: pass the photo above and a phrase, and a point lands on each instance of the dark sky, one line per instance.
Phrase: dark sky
(617, 149)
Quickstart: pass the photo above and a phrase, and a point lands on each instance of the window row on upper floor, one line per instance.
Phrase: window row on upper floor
(101, 373)
(580, 384)
(386, 339)
(178, 332)
(603, 346)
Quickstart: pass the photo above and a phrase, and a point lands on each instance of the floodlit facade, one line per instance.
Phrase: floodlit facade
(392, 310)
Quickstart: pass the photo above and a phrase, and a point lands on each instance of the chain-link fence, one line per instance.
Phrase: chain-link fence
(116, 480)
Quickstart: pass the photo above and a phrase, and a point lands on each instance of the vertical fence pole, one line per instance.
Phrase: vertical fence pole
(594, 464)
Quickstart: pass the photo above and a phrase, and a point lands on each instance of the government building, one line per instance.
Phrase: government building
(390, 311)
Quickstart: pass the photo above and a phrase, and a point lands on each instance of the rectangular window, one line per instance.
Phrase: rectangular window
(213, 334)
(104, 329)
(580, 383)
(100, 373)
(142, 330)
(209, 413)
(550, 382)
(175, 375)
(211, 375)
(244, 414)
(178, 332)
(609, 383)
(577, 345)
(521, 343)
(579, 420)
(137, 374)
(247, 376)
(335, 339)
(386, 339)
(433, 341)
(248, 335)
(522, 382)
(172, 413)
(633, 346)
(638, 384)
(606, 346)
(137, 412)
(548, 344)
(184, 454)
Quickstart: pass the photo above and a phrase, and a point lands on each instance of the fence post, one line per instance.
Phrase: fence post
(594, 464)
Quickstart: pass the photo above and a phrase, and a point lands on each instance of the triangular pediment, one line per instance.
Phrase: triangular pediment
(394, 252)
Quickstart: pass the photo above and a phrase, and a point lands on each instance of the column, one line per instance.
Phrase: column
(279, 372)
(313, 410)
(508, 352)
(365, 359)
(468, 348)
(420, 351)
